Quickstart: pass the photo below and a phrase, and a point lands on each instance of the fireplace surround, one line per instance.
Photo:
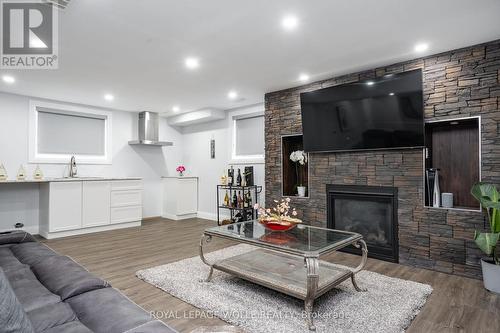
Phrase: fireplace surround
(371, 211)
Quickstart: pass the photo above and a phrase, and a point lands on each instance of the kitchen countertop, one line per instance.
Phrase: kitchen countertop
(49, 180)
(178, 177)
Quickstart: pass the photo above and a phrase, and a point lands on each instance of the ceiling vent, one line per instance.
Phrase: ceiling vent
(61, 4)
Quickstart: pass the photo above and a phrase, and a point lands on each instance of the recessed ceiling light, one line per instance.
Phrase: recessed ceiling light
(8, 79)
(290, 22)
(232, 94)
(176, 108)
(192, 63)
(303, 77)
(370, 83)
(421, 47)
(109, 97)
(391, 94)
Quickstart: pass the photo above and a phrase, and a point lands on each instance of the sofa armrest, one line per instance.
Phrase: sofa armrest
(15, 237)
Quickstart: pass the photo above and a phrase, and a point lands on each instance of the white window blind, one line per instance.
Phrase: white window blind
(249, 136)
(70, 133)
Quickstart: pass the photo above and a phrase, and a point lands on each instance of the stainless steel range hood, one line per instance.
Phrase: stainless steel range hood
(148, 130)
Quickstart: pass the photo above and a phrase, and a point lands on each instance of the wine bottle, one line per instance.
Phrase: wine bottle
(226, 199)
(235, 200)
(231, 176)
(240, 200)
(245, 201)
(238, 179)
(223, 178)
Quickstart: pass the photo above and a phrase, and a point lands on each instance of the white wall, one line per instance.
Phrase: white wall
(19, 202)
(196, 144)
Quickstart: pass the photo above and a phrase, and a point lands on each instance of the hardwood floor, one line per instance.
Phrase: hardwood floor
(457, 304)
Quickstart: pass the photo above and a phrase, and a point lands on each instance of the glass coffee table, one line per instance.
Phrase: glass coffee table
(287, 261)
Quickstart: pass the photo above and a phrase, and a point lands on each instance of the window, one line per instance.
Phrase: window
(59, 131)
(248, 138)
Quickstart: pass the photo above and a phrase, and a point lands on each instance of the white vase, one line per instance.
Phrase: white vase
(491, 276)
(301, 190)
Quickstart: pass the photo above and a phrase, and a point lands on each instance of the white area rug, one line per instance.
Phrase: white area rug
(388, 306)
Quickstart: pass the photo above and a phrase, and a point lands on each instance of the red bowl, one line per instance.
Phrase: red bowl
(278, 227)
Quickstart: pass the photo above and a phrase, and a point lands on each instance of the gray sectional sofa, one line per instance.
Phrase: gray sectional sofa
(42, 291)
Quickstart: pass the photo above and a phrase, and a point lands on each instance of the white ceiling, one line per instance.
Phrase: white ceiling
(136, 49)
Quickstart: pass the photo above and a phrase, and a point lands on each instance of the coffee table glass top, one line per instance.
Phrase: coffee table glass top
(301, 240)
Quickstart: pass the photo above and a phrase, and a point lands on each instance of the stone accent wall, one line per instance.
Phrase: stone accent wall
(459, 83)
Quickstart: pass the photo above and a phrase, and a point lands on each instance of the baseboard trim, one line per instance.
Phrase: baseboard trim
(179, 217)
(211, 216)
(53, 235)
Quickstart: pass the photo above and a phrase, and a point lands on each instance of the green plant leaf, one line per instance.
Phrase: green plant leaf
(488, 197)
(486, 241)
(484, 190)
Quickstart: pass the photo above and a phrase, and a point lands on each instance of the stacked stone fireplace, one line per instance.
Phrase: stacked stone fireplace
(459, 83)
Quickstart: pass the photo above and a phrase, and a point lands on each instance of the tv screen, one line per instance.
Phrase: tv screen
(384, 113)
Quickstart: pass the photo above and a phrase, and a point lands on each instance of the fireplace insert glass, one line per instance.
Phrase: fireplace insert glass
(369, 211)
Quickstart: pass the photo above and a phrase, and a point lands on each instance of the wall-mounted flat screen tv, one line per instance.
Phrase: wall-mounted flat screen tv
(383, 113)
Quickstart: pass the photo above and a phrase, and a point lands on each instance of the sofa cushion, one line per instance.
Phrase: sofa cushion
(66, 278)
(12, 316)
(50, 316)
(108, 311)
(8, 260)
(29, 291)
(14, 237)
(31, 253)
(71, 327)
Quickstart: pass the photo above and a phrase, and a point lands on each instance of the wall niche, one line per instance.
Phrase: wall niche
(454, 147)
(290, 179)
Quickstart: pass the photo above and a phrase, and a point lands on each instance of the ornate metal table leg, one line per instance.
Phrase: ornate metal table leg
(312, 267)
(207, 239)
(361, 243)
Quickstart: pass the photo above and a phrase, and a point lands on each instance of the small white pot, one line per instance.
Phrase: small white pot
(491, 276)
(301, 190)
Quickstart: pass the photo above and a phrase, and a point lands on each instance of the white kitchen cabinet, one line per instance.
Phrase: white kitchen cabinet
(77, 207)
(126, 214)
(126, 201)
(65, 206)
(126, 198)
(95, 203)
(180, 197)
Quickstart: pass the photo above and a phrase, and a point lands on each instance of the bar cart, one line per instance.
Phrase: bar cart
(236, 213)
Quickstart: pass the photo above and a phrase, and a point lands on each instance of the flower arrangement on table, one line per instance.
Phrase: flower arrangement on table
(279, 218)
(180, 169)
(299, 157)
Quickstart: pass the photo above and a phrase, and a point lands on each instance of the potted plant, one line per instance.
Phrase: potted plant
(180, 169)
(279, 218)
(299, 157)
(489, 198)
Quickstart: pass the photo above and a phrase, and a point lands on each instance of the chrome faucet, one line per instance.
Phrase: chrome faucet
(72, 167)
